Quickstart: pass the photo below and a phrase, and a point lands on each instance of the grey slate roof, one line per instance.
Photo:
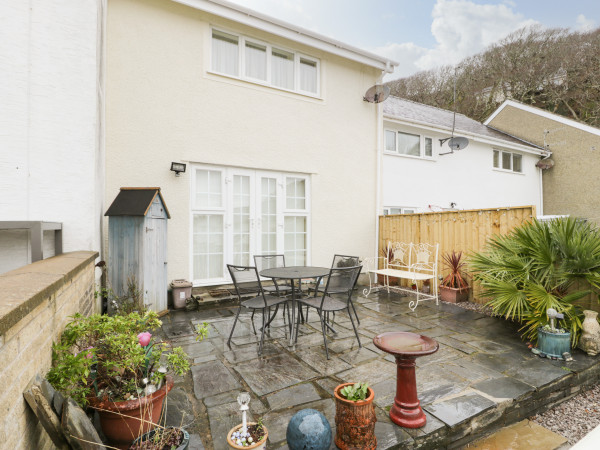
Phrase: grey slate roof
(419, 113)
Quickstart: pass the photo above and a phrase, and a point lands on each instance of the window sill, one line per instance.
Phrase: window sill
(495, 169)
(264, 85)
(420, 158)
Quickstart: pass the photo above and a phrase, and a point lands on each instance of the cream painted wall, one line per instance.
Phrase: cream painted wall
(572, 186)
(466, 178)
(163, 106)
(49, 119)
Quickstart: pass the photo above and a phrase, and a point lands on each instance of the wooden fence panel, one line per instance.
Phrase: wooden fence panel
(467, 231)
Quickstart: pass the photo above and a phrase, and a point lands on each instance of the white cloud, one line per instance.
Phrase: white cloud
(461, 28)
(585, 24)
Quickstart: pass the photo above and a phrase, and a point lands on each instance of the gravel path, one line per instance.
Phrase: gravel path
(572, 419)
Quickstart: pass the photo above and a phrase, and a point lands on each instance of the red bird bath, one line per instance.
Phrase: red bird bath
(406, 347)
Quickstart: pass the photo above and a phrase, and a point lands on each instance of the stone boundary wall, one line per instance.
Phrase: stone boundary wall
(35, 304)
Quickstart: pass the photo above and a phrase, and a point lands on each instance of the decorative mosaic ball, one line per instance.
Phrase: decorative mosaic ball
(308, 430)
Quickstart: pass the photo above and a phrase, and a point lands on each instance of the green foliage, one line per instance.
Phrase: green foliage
(455, 263)
(355, 392)
(124, 303)
(201, 331)
(102, 355)
(539, 266)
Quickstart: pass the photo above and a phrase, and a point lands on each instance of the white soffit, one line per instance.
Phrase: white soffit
(543, 113)
(286, 30)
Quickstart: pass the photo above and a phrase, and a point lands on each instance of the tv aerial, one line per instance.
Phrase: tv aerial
(454, 142)
(377, 93)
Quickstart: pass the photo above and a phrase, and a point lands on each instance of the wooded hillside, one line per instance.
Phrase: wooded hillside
(553, 69)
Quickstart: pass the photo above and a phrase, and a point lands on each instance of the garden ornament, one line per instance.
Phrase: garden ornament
(244, 399)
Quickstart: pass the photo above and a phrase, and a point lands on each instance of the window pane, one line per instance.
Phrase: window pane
(256, 61)
(428, 147)
(409, 144)
(208, 189)
(225, 53)
(282, 69)
(517, 163)
(496, 158)
(295, 241)
(268, 215)
(241, 219)
(208, 246)
(295, 193)
(390, 141)
(308, 75)
(409, 211)
(506, 159)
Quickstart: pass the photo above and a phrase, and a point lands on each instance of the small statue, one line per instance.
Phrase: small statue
(589, 341)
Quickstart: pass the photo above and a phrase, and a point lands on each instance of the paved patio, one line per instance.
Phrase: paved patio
(482, 378)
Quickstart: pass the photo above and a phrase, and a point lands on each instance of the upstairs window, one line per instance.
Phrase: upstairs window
(408, 144)
(263, 63)
(511, 162)
(389, 210)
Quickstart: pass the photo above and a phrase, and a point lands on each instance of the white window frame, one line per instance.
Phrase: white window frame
(226, 210)
(242, 39)
(403, 210)
(422, 138)
(512, 156)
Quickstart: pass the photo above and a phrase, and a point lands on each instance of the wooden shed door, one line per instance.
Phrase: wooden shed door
(155, 262)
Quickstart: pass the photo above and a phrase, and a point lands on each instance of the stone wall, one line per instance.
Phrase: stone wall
(35, 304)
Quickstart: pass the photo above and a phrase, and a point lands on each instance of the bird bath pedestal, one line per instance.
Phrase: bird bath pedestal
(406, 347)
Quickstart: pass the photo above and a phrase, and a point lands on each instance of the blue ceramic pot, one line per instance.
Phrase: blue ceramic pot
(553, 344)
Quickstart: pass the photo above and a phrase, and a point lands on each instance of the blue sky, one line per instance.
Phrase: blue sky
(422, 34)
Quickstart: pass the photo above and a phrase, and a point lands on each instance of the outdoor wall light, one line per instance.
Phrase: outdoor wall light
(177, 168)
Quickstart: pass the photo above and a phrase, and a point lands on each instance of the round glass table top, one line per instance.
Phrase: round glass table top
(403, 343)
(294, 272)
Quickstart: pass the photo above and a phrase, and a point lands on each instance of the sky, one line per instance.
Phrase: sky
(424, 34)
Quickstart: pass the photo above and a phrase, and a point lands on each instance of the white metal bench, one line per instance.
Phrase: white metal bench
(409, 261)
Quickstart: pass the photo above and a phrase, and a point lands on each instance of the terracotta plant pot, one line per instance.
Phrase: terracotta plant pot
(355, 421)
(261, 445)
(123, 422)
(453, 295)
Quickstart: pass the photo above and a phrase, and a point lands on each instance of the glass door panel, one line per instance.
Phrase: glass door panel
(241, 220)
(295, 240)
(268, 216)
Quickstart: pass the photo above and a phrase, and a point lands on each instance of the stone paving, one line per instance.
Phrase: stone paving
(482, 378)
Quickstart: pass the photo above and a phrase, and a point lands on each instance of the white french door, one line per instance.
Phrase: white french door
(237, 213)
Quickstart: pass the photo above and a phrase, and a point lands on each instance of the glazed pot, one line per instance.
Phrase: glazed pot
(553, 344)
(453, 295)
(261, 445)
(123, 422)
(185, 443)
(355, 421)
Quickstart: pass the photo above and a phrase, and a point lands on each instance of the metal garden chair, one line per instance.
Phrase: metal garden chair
(245, 280)
(340, 283)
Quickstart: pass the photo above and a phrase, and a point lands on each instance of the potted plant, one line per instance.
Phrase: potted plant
(171, 438)
(355, 416)
(114, 365)
(454, 287)
(251, 435)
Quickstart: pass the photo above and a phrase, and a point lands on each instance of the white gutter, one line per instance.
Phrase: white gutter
(289, 31)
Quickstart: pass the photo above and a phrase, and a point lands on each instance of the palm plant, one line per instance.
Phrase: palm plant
(536, 267)
(455, 278)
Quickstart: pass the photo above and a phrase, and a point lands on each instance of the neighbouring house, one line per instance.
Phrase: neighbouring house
(421, 174)
(281, 150)
(51, 161)
(571, 185)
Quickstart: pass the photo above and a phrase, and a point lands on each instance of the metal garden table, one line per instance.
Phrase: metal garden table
(294, 273)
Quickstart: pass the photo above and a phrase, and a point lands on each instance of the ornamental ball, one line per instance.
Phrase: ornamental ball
(308, 430)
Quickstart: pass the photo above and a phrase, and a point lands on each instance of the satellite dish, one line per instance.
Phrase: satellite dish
(377, 93)
(545, 164)
(458, 143)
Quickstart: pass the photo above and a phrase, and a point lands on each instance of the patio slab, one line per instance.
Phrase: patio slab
(482, 378)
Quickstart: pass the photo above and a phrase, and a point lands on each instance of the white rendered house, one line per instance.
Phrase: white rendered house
(281, 150)
(494, 170)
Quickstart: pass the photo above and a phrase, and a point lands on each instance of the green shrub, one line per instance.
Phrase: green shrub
(536, 267)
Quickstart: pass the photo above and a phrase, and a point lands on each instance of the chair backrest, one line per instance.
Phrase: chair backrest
(263, 262)
(341, 280)
(345, 261)
(246, 280)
